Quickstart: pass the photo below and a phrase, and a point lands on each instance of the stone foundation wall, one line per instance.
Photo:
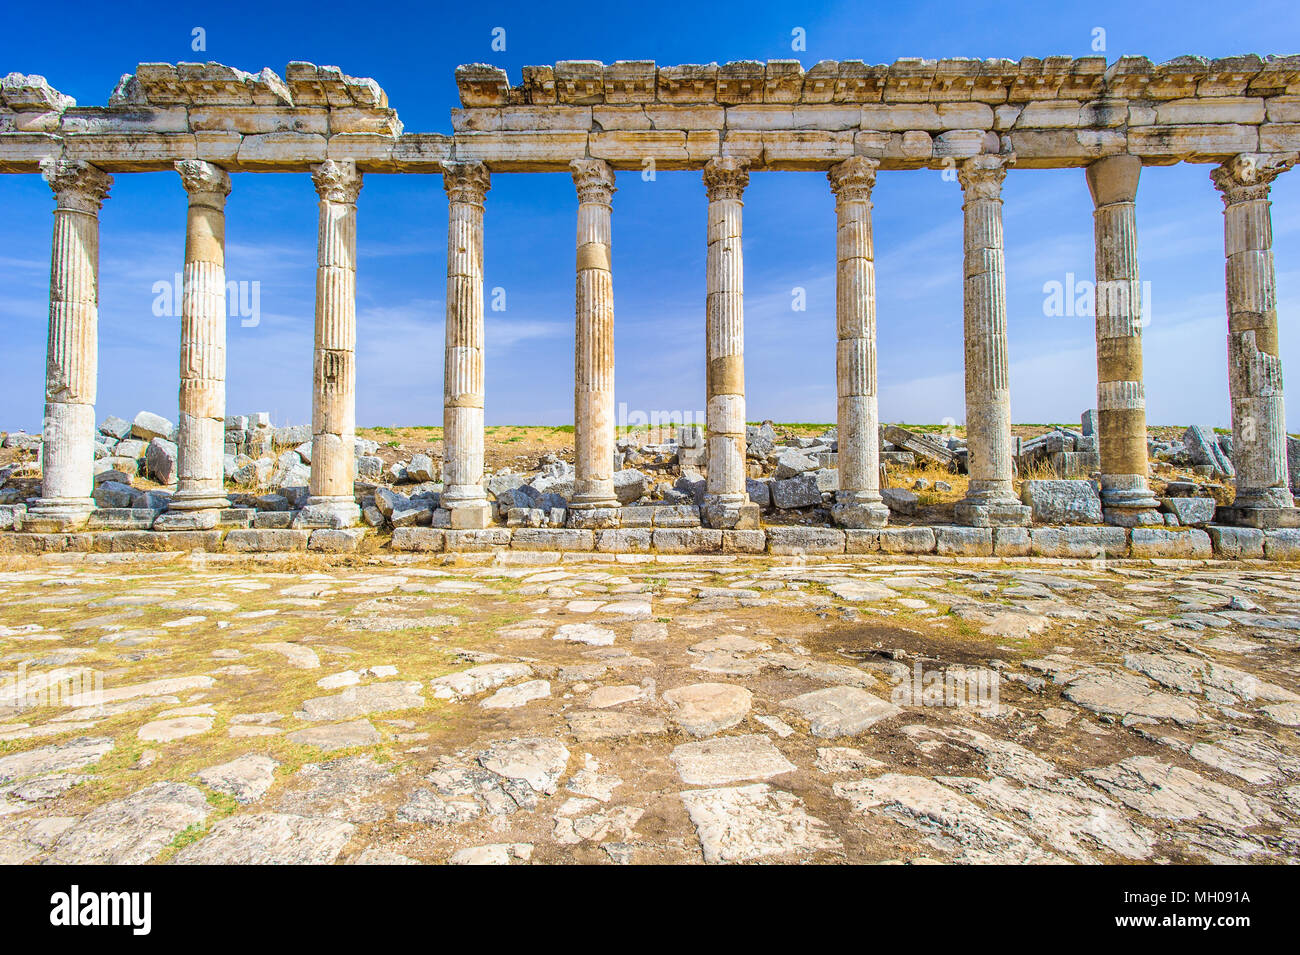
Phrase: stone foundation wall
(943, 541)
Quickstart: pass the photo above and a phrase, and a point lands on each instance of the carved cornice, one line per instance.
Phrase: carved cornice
(337, 181)
(77, 185)
(725, 177)
(206, 184)
(594, 179)
(466, 182)
(1250, 176)
(853, 179)
(981, 176)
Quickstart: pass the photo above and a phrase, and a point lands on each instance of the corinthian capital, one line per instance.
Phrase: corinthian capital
(1250, 175)
(466, 182)
(725, 177)
(336, 180)
(206, 184)
(981, 176)
(853, 178)
(594, 179)
(77, 185)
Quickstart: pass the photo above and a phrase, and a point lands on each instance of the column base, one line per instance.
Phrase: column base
(328, 512)
(728, 512)
(1264, 518)
(598, 495)
(1131, 516)
(183, 520)
(198, 501)
(593, 518)
(469, 515)
(1263, 498)
(50, 515)
(992, 513)
(857, 509)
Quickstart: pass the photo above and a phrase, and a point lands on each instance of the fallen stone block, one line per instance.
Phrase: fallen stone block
(148, 426)
(1189, 510)
(922, 446)
(900, 501)
(796, 492)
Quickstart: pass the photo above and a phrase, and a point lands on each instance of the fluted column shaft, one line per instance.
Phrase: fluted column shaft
(1121, 396)
(593, 414)
(857, 501)
(725, 179)
(68, 448)
(466, 184)
(1254, 362)
(201, 444)
(333, 458)
(988, 396)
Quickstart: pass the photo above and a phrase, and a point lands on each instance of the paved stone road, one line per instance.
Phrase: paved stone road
(690, 711)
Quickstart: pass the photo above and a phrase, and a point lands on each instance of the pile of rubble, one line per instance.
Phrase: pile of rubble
(793, 478)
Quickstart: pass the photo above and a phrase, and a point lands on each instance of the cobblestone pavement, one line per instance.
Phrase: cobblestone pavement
(681, 711)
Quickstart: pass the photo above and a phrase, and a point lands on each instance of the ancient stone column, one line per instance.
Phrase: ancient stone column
(593, 376)
(466, 184)
(727, 502)
(332, 500)
(991, 499)
(857, 502)
(68, 448)
(1254, 363)
(1121, 399)
(200, 492)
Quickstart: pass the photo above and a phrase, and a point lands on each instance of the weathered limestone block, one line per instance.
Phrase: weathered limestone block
(1078, 542)
(1012, 542)
(686, 540)
(1189, 510)
(419, 539)
(790, 541)
(1236, 543)
(963, 541)
(552, 538)
(624, 540)
(1282, 544)
(255, 540)
(1167, 542)
(1062, 502)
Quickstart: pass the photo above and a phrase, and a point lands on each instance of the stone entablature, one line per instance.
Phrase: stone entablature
(1050, 112)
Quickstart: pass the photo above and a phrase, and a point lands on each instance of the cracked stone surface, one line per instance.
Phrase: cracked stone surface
(494, 711)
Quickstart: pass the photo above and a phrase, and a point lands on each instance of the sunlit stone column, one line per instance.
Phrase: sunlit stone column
(332, 500)
(1254, 363)
(466, 184)
(593, 413)
(68, 448)
(857, 502)
(200, 492)
(991, 498)
(1121, 398)
(727, 503)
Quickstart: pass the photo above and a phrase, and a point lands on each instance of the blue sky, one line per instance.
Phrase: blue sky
(659, 250)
